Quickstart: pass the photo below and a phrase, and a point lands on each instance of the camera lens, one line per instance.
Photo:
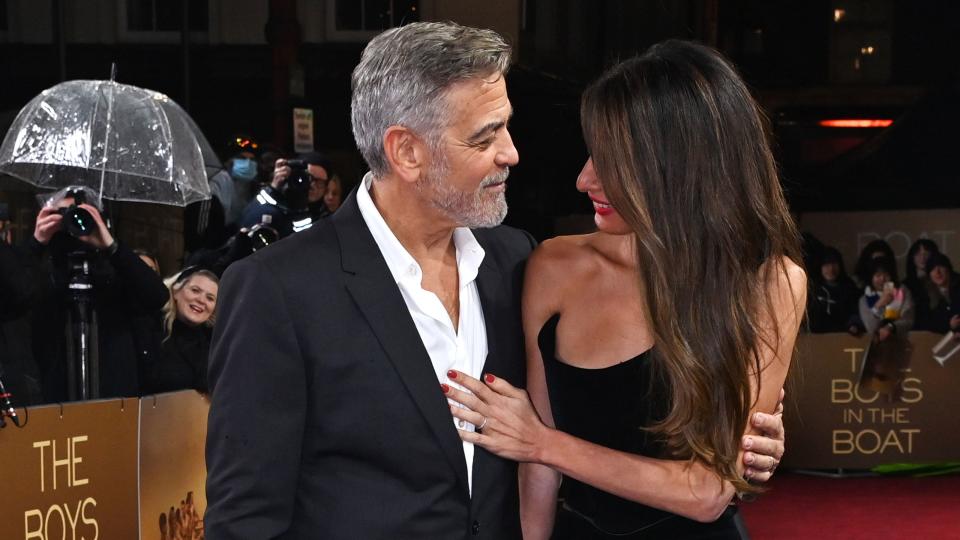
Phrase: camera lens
(299, 180)
(78, 221)
(262, 236)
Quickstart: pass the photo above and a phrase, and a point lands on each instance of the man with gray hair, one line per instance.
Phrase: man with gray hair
(327, 417)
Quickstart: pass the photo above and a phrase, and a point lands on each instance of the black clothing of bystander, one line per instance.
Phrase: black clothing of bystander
(20, 286)
(218, 260)
(832, 306)
(124, 288)
(833, 299)
(148, 335)
(939, 309)
(270, 202)
(183, 360)
(941, 297)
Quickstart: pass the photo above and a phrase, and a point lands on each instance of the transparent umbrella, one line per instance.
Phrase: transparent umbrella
(124, 142)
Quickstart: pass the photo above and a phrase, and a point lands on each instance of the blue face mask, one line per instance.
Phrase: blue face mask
(243, 169)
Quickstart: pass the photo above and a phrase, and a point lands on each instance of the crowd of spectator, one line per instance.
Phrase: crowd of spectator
(874, 299)
(72, 291)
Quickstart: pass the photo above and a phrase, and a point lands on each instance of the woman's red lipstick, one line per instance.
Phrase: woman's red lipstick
(602, 208)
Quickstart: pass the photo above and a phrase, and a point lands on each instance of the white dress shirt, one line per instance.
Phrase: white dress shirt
(464, 350)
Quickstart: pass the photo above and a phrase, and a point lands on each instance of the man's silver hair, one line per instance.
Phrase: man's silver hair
(404, 76)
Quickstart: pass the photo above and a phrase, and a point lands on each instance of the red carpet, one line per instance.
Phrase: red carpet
(876, 508)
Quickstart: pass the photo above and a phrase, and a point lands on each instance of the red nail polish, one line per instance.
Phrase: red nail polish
(452, 374)
(489, 378)
(444, 388)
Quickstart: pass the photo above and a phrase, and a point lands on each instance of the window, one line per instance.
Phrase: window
(160, 20)
(861, 41)
(350, 20)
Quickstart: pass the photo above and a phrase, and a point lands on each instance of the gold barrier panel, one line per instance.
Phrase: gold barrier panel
(833, 421)
(173, 431)
(71, 472)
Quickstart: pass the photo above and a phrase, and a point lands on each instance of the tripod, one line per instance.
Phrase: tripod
(83, 366)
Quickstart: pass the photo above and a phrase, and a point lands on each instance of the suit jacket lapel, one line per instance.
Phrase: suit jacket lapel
(376, 293)
(490, 288)
(489, 284)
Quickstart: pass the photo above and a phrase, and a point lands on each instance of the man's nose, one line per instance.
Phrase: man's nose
(508, 156)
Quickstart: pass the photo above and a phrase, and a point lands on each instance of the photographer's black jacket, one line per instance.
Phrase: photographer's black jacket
(124, 288)
(270, 202)
(19, 290)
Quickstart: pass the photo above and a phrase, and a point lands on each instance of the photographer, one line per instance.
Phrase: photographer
(294, 198)
(240, 245)
(84, 264)
(209, 223)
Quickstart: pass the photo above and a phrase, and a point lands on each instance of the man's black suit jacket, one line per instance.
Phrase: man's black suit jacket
(327, 419)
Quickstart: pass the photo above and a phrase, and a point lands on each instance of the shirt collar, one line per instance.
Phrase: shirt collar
(403, 267)
(469, 254)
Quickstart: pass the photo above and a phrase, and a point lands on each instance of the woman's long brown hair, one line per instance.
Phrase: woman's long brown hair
(681, 149)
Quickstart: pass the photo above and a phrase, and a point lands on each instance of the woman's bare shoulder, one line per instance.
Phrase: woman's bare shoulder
(793, 273)
(787, 282)
(564, 257)
(553, 270)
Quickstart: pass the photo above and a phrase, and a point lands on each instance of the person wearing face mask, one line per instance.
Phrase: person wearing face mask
(209, 223)
(188, 319)
(291, 209)
(244, 169)
(122, 287)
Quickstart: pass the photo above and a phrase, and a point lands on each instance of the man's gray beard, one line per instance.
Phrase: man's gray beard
(477, 209)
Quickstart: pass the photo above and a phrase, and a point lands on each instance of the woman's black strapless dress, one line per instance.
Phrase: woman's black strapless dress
(609, 407)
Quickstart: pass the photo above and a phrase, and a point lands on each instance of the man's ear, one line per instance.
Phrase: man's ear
(406, 153)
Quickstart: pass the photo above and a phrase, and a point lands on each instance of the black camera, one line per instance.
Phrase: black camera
(297, 186)
(77, 221)
(262, 235)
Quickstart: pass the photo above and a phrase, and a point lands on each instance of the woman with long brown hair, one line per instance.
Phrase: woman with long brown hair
(652, 341)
